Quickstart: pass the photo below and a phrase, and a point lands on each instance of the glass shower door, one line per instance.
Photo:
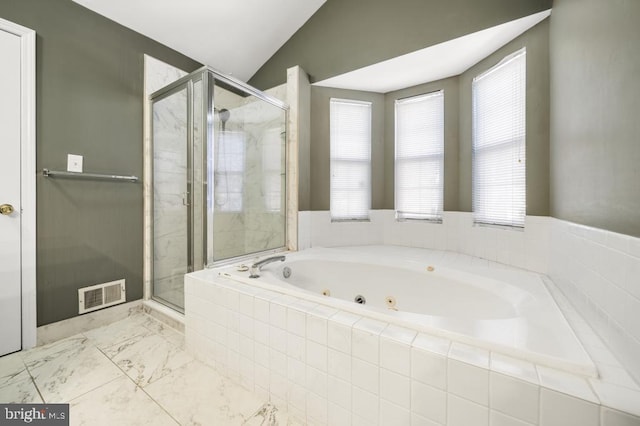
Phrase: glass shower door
(247, 199)
(171, 224)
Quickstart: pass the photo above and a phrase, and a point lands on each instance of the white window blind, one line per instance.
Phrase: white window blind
(229, 172)
(350, 146)
(419, 163)
(499, 129)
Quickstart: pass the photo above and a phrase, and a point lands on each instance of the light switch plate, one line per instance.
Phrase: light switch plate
(74, 163)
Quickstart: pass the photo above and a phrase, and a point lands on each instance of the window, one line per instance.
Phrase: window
(499, 192)
(419, 164)
(350, 134)
(229, 172)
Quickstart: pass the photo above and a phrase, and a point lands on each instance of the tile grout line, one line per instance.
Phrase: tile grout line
(33, 381)
(136, 386)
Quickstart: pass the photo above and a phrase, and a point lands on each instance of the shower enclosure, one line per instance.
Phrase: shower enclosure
(218, 149)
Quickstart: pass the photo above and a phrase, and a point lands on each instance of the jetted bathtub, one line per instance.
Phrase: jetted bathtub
(502, 309)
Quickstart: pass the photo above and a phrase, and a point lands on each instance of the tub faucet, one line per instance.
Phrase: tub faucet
(256, 267)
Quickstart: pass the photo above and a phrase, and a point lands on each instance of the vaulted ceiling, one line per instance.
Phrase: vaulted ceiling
(236, 37)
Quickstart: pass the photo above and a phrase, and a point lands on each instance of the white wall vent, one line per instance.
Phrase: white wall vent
(101, 295)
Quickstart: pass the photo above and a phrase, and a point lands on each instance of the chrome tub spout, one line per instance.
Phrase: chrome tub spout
(254, 271)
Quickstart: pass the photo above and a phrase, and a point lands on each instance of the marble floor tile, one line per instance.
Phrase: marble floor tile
(62, 329)
(132, 372)
(269, 415)
(196, 394)
(69, 368)
(173, 336)
(119, 402)
(12, 369)
(119, 331)
(41, 355)
(20, 392)
(147, 359)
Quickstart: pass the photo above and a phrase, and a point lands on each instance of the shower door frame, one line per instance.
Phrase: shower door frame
(207, 76)
(187, 82)
(215, 75)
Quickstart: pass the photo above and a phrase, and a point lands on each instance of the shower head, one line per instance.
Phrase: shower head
(224, 115)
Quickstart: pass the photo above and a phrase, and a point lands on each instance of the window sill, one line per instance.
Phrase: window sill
(497, 226)
(350, 220)
(415, 220)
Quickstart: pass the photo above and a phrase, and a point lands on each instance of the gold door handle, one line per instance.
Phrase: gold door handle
(6, 209)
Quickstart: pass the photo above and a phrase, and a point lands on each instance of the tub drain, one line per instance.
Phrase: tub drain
(360, 299)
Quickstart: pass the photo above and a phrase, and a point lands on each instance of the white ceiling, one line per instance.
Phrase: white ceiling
(433, 63)
(233, 36)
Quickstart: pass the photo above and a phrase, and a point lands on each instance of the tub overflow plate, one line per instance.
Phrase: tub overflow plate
(286, 272)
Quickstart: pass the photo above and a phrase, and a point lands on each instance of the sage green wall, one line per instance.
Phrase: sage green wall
(89, 78)
(451, 107)
(344, 35)
(320, 144)
(536, 40)
(595, 125)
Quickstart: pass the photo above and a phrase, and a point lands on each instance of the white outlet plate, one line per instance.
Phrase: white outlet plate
(74, 163)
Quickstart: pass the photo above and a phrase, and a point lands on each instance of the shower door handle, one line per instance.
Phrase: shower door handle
(185, 199)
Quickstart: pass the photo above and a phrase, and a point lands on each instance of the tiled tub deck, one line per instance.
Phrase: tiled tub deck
(331, 367)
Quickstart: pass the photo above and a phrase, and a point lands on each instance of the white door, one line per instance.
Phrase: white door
(10, 173)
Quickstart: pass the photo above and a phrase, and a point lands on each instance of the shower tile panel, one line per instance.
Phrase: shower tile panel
(279, 92)
(158, 74)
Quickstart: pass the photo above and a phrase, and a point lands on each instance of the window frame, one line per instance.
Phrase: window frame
(420, 159)
(510, 214)
(335, 161)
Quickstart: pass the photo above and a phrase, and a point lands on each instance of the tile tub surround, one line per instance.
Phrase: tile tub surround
(528, 248)
(599, 271)
(328, 366)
